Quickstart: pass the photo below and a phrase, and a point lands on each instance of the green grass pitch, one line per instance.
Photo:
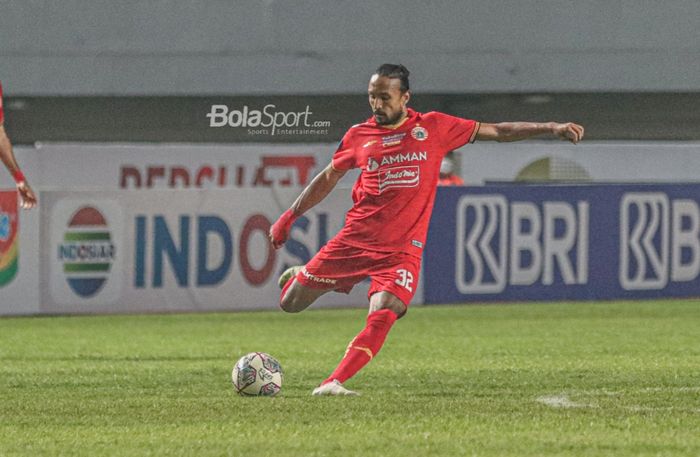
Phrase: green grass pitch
(590, 379)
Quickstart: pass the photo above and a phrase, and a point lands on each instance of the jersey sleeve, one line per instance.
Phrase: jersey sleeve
(344, 156)
(2, 114)
(455, 131)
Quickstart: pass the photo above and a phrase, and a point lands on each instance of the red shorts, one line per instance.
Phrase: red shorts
(339, 267)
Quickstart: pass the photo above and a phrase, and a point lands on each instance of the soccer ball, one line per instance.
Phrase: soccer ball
(257, 374)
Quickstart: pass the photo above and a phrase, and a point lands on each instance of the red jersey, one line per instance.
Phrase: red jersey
(394, 194)
(2, 115)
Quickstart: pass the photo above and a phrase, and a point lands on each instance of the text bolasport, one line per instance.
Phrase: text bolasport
(267, 118)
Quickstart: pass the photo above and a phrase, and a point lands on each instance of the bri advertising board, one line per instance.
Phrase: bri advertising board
(186, 250)
(517, 243)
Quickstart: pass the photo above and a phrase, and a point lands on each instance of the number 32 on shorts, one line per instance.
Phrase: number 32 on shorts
(405, 279)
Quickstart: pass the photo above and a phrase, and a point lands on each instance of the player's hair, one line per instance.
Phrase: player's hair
(391, 70)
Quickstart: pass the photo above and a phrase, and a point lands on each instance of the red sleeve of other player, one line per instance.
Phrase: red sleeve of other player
(455, 131)
(344, 157)
(2, 115)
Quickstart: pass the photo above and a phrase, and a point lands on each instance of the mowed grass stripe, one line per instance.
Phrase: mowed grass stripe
(619, 379)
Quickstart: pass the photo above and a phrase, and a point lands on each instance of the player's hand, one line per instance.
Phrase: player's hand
(279, 232)
(27, 196)
(569, 132)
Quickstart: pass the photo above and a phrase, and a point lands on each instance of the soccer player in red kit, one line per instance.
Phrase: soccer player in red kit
(8, 158)
(399, 152)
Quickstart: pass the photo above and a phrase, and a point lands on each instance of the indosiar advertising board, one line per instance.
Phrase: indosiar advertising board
(516, 243)
(184, 250)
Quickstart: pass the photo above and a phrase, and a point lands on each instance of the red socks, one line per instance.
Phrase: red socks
(365, 345)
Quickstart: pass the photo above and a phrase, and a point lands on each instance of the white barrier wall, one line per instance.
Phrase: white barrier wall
(182, 166)
(151, 196)
(597, 162)
(179, 166)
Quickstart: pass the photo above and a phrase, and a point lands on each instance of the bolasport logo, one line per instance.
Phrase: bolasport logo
(267, 121)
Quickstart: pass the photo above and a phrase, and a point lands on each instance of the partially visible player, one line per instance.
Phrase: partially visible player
(448, 177)
(399, 152)
(28, 199)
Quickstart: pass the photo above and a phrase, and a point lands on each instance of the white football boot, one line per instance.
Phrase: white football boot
(333, 388)
(288, 273)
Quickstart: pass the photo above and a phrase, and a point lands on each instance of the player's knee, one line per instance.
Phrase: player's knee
(291, 303)
(390, 302)
(397, 307)
(287, 304)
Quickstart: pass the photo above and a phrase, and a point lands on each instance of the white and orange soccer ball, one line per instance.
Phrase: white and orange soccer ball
(257, 374)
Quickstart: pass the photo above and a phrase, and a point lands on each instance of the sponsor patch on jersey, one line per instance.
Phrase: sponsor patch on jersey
(392, 140)
(372, 165)
(407, 176)
(419, 133)
(405, 157)
(417, 244)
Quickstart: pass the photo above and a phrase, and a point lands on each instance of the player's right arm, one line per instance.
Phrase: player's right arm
(28, 198)
(322, 184)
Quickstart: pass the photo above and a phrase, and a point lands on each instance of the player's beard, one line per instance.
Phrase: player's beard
(384, 120)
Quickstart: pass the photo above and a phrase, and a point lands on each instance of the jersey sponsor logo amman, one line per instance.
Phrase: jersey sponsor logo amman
(401, 157)
(86, 252)
(9, 240)
(404, 157)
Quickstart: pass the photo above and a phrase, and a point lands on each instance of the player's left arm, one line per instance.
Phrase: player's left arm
(8, 158)
(516, 131)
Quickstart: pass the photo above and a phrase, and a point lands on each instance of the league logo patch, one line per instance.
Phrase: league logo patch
(419, 133)
(392, 140)
(408, 176)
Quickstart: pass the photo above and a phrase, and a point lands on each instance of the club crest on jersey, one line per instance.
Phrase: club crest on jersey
(419, 133)
(392, 140)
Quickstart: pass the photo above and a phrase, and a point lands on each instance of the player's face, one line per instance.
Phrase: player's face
(386, 100)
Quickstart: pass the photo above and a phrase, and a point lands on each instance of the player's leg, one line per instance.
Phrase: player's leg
(328, 270)
(296, 297)
(385, 308)
(390, 294)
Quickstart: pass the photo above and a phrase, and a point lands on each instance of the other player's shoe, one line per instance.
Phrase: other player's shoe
(287, 275)
(333, 388)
